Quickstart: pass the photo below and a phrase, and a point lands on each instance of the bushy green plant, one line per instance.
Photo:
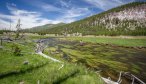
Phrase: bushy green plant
(16, 50)
(17, 35)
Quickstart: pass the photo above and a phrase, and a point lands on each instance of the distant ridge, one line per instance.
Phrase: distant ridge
(42, 29)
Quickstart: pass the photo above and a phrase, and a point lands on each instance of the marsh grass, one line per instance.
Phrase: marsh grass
(39, 69)
(15, 64)
(115, 41)
(110, 60)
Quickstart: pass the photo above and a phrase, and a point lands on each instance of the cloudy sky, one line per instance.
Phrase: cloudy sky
(39, 12)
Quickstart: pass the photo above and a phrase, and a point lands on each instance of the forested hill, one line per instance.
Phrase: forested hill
(129, 19)
(42, 29)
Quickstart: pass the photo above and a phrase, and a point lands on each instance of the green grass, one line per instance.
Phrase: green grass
(109, 59)
(50, 74)
(84, 79)
(39, 69)
(38, 37)
(14, 64)
(94, 61)
(115, 41)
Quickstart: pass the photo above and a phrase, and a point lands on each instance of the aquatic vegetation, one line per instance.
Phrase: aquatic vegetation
(110, 60)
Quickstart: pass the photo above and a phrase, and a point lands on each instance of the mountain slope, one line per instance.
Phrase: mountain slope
(43, 29)
(129, 19)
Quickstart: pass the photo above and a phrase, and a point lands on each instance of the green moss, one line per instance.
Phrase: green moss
(135, 71)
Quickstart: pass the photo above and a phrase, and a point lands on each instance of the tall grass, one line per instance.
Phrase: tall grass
(115, 41)
(11, 64)
(39, 69)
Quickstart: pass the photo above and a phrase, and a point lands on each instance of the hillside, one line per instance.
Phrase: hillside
(43, 29)
(127, 19)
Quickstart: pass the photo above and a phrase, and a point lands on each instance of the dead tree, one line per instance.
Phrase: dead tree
(18, 28)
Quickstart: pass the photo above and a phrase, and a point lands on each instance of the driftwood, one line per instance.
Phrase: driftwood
(133, 78)
(7, 39)
(127, 75)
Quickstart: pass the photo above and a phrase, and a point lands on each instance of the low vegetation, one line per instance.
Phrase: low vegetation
(84, 59)
(110, 60)
(2, 31)
(12, 63)
(30, 68)
(135, 42)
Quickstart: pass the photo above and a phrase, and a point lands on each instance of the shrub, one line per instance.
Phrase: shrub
(16, 50)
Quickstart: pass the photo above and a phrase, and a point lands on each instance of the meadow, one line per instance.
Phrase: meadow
(97, 55)
(82, 63)
(135, 42)
(39, 70)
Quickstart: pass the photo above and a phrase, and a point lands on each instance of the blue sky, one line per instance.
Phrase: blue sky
(39, 12)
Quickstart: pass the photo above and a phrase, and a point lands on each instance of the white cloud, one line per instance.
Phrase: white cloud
(73, 14)
(69, 12)
(68, 9)
(28, 19)
(107, 4)
(76, 12)
(48, 7)
(44, 6)
(4, 24)
(65, 4)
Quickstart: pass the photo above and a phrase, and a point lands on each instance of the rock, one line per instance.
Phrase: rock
(140, 47)
(56, 52)
(1, 47)
(38, 82)
(135, 47)
(22, 82)
(26, 62)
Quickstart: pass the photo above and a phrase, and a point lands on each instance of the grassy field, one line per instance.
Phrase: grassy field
(39, 69)
(81, 62)
(15, 64)
(115, 41)
(110, 60)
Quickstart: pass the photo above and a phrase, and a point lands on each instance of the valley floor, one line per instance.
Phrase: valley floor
(31, 68)
(108, 55)
(105, 55)
(133, 41)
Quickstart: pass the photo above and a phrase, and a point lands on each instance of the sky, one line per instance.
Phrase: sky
(40, 12)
